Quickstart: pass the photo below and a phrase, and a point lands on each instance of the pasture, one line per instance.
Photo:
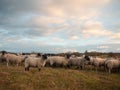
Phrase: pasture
(16, 78)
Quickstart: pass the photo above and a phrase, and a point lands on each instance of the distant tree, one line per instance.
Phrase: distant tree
(86, 52)
(76, 53)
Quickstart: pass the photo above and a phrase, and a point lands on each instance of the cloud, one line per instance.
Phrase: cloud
(74, 37)
(116, 35)
(69, 8)
(74, 8)
(103, 47)
(45, 20)
(118, 49)
(95, 29)
(51, 24)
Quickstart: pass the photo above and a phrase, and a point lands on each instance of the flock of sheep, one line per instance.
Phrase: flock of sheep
(67, 61)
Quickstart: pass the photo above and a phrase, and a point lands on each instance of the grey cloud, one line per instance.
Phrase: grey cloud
(68, 7)
(14, 6)
(18, 7)
(37, 32)
(16, 22)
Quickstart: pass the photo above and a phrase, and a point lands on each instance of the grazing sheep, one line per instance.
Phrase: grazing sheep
(57, 61)
(91, 62)
(74, 62)
(13, 59)
(112, 64)
(38, 62)
(78, 61)
(97, 62)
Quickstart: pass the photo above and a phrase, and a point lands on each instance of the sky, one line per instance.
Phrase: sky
(55, 26)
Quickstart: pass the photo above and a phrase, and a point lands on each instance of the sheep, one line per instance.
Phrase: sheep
(57, 61)
(13, 59)
(38, 62)
(91, 62)
(112, 64)
(97, 62)
(33, 55)
(74, 62)
(2, 59)
(78, 61)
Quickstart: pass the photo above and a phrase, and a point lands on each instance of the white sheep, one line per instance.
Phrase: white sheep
(13, 59)
(97, 62)
(74, 62)
(38, 62)
(33, 55)
(57, 61)
(112, 64)
(78, 61)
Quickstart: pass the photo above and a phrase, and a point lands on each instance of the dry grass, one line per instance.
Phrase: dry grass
(15, 78)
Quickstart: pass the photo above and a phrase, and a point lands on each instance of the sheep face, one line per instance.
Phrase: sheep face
(87, 58)
(4, 52)
(67, 56)
(44, 57)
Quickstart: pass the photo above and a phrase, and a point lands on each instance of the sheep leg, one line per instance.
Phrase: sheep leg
(119, 70)
(81, 67)
(7, 62)
(92, 67)
(99, 67)
(17, 65)
(39, 69)
(27, 68)
(68, 66)
(105, 68)
(65, 66)
(109, 70)
(96, 68)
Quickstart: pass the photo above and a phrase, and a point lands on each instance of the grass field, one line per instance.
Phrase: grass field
(15, 78)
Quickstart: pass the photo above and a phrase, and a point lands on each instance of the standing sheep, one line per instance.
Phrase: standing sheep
(38, 62)
(78, 61)
(57, 61)
(12, 58)
(112, 64)
(97, 62)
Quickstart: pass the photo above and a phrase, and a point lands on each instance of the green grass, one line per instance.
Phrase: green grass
(15, 78)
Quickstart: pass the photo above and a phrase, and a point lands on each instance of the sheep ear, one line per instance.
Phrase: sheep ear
(38, 54)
